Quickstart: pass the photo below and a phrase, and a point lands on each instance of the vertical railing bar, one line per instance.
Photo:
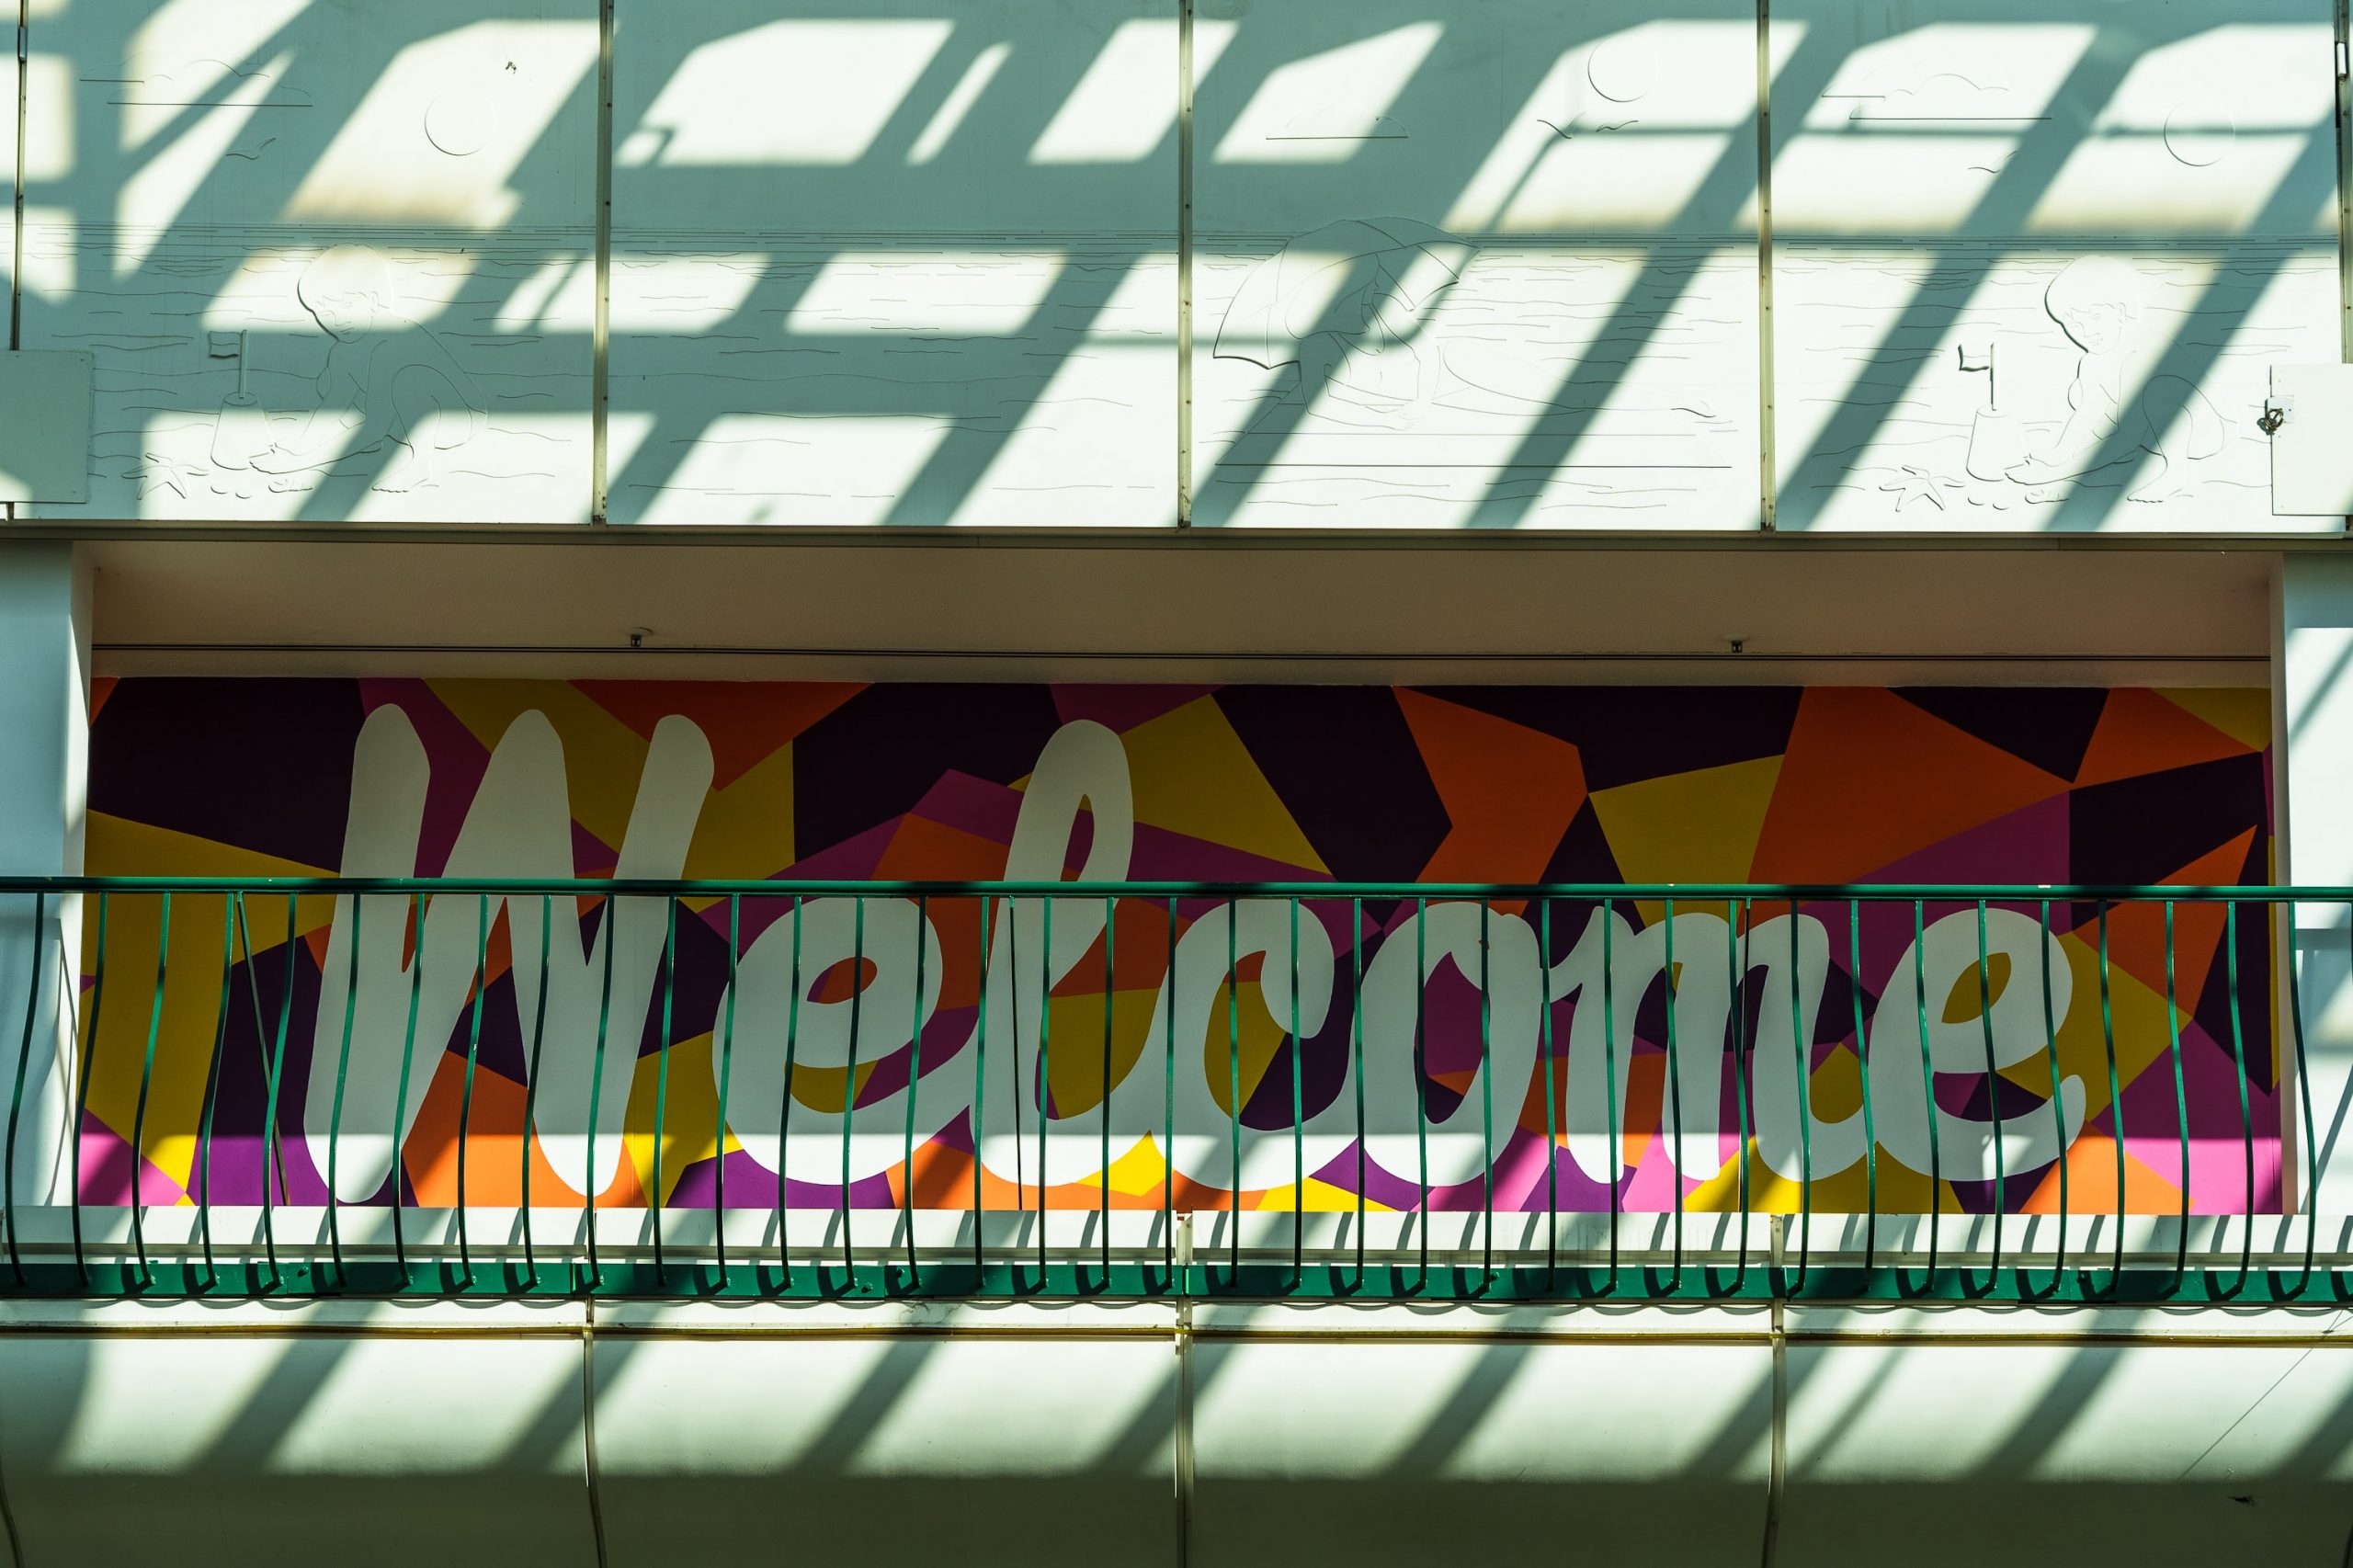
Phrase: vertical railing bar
(2115, 1091)
(531, 1087)
(466, 1095)
(2304, 1093)
(1168, 1111)
(1233, 1085)
(17, 1095)
(726, 1073)
(2238, 1056)
(915, 1087)
(146, 1081)
(2058, 1107)
(213, 1084)
(273, 1064)
(980, 1080)
(1992, 1086)
(784, 1106)
(2312, 1127)
(1421, 1074)
(1609, 1080)
(1013, 1026)
(1044, 1085)
(849, 1076)
(1356, 1066)
(342, 1071)
(1674, 1089)
(88, 1071)
(24, 1058)
(2180, 1101)
(609, 929)
(656, 1200)
(1928, 1080)
(400, 1095)
(1739, 913)
(1486, 1100)
(253, 992)
(1110, 984)
(1863, 1065)
(1297, 1119)
(1804, 1048)
(1551, 1108)
(212, 1079)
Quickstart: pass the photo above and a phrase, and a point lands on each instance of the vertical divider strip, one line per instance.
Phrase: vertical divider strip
(17, 233)
(588, 1424)
(1185, 263)
(1183, 1466)
(16, 254)
(601, 334)
(1768, 475)
(2340, 69)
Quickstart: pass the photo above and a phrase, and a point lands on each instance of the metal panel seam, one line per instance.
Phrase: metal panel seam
(589, 1429)
(1184, 264)
(1767, 479)
(1777, 1476)
(600, 333)
(1183, 1457)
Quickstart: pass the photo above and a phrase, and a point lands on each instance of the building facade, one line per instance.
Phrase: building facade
(1176, 781)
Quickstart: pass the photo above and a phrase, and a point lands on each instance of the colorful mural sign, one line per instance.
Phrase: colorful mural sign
(1081, 1050)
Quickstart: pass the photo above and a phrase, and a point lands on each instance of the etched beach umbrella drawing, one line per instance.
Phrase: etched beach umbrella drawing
(1358, 288)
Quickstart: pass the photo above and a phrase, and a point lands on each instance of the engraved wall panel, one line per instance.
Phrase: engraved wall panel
(293, 232)
(1486, 265)
(895, 263)
(2033, 264)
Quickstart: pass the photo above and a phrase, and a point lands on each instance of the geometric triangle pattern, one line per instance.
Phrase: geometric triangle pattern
(1593, 785)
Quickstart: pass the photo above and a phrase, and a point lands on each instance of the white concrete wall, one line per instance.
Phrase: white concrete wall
(1036, 1433)
(1940, 266)
(45, 606)
(2313, 721)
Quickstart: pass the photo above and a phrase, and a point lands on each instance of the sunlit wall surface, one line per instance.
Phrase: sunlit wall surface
(1926, 265)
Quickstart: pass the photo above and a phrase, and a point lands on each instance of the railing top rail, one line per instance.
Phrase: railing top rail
(1964, 892)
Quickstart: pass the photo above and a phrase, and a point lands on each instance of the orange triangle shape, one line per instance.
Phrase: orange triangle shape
(1868, 778)
(1509, 791)
(2091, 1184)
(2140, 731)
(744, 721)
(2136, 932)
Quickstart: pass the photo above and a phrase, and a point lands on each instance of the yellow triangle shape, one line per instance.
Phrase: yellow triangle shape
(746, 828)
(1700, 826)
(689, 1130)
(603, 759)
(2243, 714)
(1074, 1048)
(1319, 1197)
(1192, 774)
(118, 846)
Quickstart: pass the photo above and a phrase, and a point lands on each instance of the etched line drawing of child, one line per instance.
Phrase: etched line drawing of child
(390, 388)
(2096, 300)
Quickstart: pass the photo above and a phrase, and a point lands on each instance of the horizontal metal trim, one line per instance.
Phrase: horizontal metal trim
(1301, 891)
(1035, 1331)
(1344, 540)
(1100, 656)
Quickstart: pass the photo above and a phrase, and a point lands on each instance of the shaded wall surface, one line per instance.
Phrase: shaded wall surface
(1490, 264)
(1072, 1434)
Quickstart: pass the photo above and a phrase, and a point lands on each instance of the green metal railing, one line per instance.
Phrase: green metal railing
(241, 1088)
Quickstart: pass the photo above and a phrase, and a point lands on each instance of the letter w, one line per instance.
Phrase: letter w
(519, 825)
